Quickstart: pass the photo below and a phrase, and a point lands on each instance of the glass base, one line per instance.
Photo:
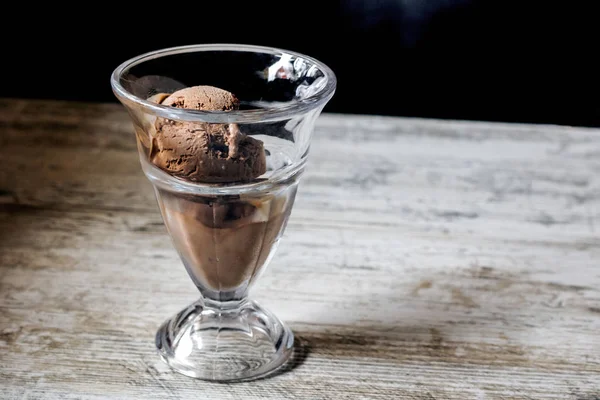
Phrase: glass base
(219, 341)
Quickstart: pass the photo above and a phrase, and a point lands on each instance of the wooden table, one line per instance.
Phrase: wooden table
(423, 260)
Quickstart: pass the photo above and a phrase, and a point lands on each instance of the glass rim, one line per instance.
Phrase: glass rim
(321, 97)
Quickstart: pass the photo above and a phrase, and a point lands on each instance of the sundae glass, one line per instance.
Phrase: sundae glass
(223, 134)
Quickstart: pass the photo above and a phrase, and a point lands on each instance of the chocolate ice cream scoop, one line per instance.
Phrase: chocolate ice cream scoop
(208, 98)
(203, 152)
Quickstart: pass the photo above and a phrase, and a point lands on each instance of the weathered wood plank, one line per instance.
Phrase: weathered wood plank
(425, 259)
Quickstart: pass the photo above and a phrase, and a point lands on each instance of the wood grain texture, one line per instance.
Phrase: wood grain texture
(423, 260)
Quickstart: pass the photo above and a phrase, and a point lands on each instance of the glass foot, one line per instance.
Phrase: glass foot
(232, 341)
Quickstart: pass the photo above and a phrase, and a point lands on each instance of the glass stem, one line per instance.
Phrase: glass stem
(224, 307)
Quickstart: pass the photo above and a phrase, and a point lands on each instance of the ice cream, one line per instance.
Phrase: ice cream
(208, 98)
(204, 152)
(224, 241)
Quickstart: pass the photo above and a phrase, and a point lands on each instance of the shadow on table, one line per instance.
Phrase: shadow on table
(301, 351)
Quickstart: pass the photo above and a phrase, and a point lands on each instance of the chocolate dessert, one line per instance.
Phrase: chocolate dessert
(203, 152)
(223, 240)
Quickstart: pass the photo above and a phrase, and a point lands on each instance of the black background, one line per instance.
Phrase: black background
(514, 61)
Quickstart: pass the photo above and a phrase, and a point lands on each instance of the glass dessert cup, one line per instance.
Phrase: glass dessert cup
(225, 232)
